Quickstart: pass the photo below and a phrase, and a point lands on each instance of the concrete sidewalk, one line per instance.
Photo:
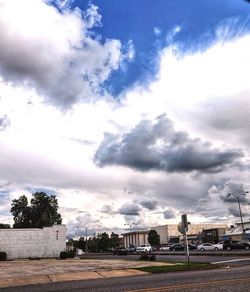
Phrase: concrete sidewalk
(27, 272)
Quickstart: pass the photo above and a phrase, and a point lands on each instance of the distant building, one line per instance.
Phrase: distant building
(213, 235)
(236, 232)
(135, 237)
(170, 233)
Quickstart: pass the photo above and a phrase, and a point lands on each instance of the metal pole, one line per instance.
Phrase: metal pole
(243, 229)
(187, 248)
(86, 243)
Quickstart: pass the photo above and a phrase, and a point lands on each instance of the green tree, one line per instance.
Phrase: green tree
(21, 212)
(104, 242)
(42, 211)
(153, 238)
(114, 240)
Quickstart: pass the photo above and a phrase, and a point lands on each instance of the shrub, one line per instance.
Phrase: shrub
(3, 256)
(144, 257)
(67, 254)
(152, 257)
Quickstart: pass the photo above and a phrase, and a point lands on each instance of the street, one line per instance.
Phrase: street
(233, 276)
(230, 280)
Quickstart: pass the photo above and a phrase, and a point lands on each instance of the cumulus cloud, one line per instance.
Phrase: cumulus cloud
(169, 213)
(59, 57)
(107, 209)
(158, 146)
(130, 209)
(4, 122)
(218, 204)
(148, 203)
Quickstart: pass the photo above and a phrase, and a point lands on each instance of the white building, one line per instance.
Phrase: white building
(33, 242)
(136, 238)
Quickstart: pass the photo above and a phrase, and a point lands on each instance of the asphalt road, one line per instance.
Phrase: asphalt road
(227, 279)
(237, 260)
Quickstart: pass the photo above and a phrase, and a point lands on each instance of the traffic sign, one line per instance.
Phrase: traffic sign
(181, 228)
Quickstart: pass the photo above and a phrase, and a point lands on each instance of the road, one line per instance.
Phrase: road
(201, 257)
(228, 280)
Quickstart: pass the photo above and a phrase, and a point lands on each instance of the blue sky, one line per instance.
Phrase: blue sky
(129, 111)
(137, 21)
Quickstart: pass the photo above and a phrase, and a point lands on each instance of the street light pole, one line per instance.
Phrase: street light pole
(130, 228)
(238, 200)
(86, 242)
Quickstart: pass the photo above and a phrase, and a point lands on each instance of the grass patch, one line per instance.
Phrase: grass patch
(177, 268)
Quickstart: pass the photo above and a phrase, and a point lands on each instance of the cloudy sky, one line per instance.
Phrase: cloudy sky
(129, 111)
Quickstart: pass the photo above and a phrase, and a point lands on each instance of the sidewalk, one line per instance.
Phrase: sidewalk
(27, 272)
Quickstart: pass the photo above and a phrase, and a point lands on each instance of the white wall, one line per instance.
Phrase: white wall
(33, 242)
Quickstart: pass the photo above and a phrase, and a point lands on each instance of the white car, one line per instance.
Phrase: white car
(206, 246)
(144, 248)
(210, 246)
(164, 248)
(218, 246)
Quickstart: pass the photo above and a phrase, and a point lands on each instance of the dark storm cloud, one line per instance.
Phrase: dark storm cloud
(158, 146)
(130, 209)
(4, 122)
(148, 203)
(169, 214)
(235, 212)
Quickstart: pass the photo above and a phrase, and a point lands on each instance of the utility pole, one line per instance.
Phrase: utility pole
(238, 200)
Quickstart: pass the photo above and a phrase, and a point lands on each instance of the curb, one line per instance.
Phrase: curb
(75, 276)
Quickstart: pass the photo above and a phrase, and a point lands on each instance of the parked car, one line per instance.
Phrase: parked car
(179, 246)
(165, 247)
(131, 249)
(144, 248)
(218, 246)
(120, 251)
(206, 246)
(235, 244)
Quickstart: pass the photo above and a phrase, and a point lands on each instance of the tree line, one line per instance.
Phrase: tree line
(102, 242)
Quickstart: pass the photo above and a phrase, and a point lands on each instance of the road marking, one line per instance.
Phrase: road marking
(196, 285)
(231, 261)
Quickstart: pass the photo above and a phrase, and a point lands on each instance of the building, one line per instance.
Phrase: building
(213, 235)
(170, 233)
(33, 242)
(236, 232)
(136, 238)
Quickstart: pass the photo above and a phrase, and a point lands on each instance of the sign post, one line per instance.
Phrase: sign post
(183, 228)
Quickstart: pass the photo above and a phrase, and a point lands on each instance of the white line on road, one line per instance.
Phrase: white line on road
(231, 261)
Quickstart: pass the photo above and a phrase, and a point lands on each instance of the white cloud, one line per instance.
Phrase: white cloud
(157, 30)
(58, 56)
(40, 147)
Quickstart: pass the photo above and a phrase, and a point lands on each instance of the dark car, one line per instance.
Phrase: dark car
(178, 246)
(131, 249)
(235, 244)
(120, 251)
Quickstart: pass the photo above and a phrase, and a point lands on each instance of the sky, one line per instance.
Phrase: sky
(131, 112)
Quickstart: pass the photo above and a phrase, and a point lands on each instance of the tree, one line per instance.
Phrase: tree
(114, 240)
(42, 211)
(104, 242)
(21, 212)
(153, 238)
